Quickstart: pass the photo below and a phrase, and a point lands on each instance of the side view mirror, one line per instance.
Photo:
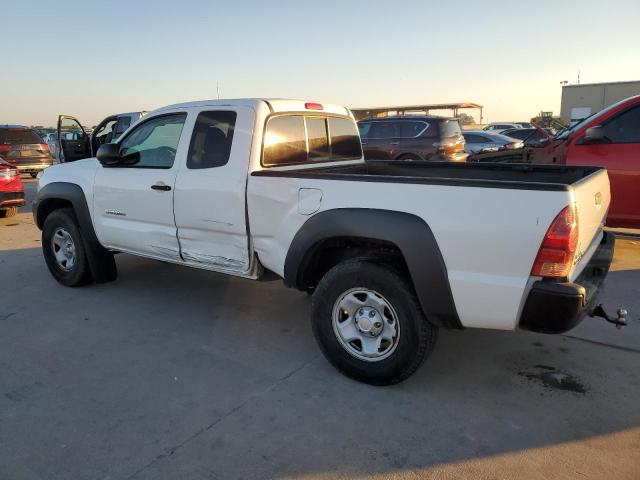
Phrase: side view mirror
(109, 154)
(595, 135)
(540, 142)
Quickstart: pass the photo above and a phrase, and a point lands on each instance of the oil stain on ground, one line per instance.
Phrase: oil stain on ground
(552, 379)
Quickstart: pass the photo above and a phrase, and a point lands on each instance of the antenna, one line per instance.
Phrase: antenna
(218, 88)
(578, 77)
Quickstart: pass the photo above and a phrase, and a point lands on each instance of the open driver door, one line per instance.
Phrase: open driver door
(73, 141)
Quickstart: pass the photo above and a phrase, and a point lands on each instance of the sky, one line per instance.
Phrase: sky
(90, 61)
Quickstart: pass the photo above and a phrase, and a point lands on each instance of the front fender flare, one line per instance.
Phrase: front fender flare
(101, 262)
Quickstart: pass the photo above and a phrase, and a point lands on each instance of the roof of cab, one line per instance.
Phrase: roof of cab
(274, 104)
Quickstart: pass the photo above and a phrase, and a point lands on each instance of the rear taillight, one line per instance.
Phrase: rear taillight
(44, 147)
(449, 148)
(5, 148)
(558, 248)
(8, 174)
(313, 106)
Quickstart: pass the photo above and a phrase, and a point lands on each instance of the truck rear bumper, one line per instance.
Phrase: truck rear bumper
(555, 307)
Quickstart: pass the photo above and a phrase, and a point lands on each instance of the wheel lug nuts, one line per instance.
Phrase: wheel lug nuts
(378, 324)
(372, 314)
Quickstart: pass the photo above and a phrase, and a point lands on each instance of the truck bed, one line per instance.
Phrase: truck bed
(488, 175)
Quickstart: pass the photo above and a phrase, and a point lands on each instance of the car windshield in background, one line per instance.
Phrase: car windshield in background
(19, 135)
(450, 128)
(295, 139)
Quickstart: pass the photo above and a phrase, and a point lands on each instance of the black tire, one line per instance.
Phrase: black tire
(80, 273)
(410, 157)
(8, 212)
(417, 336)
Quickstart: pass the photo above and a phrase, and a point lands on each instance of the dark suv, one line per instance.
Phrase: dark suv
(412, 138)
(24, 149)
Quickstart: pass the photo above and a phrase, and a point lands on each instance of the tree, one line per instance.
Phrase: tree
(466, 119)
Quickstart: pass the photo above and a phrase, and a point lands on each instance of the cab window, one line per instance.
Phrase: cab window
(211, 140)
(153, 144)
(296, 139)
(624, 128)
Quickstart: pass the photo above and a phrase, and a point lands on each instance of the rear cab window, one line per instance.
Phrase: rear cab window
(292, 139)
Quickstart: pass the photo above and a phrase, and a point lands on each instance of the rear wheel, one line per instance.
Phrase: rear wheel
(8, 212)
(369, 324)
(63, 249)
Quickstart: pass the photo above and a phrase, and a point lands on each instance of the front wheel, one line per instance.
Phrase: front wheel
(368, 323)
(63, 249)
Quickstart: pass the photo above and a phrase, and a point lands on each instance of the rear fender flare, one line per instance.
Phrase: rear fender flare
(411, 234)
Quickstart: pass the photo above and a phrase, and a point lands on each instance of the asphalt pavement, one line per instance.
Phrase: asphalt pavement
(176, 373)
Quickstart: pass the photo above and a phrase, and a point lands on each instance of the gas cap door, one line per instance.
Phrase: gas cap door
(309, 200)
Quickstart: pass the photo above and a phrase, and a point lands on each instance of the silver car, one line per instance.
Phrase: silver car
(479, 141)
(499, 127)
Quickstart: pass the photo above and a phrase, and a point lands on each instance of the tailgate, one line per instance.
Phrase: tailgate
(592, 197)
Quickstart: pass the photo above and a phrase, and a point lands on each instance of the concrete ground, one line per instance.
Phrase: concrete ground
(177, 373)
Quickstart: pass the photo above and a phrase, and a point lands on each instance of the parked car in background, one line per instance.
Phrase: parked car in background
(51, 139)
(525, 124)
(411, 137)
(530, 136)
(76, 142)
(610, 139)
(477, 141)
(43, 131)
(24, 148)
(11, 190)
(499, 127)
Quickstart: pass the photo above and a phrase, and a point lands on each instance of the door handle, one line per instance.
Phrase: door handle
(394, 143)
(161, 187)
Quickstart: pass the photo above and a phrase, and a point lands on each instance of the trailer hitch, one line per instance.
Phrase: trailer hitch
(619, 322)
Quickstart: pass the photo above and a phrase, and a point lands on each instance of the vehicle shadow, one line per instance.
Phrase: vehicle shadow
(179, 373)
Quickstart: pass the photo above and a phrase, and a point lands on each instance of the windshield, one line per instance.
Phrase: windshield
(567, 132)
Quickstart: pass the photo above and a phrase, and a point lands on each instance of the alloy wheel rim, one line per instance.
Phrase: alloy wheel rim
(64, 249)
(366, 324)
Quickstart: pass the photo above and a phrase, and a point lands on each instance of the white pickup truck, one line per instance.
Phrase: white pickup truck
(391, 251)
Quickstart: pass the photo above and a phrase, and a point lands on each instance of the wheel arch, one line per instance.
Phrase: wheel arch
(56, 195)
(381, 234)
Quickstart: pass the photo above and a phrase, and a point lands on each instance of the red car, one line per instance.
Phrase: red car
(11, 190)
(610, 139)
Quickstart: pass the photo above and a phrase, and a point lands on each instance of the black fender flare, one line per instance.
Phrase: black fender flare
(101, 261)
(411, 234)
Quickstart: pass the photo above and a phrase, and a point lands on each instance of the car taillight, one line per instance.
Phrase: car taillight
(44, 147)
(5, 148)
(7, 174)
(558, 248)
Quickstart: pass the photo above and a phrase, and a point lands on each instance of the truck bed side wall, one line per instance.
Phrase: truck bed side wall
(488, 237)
